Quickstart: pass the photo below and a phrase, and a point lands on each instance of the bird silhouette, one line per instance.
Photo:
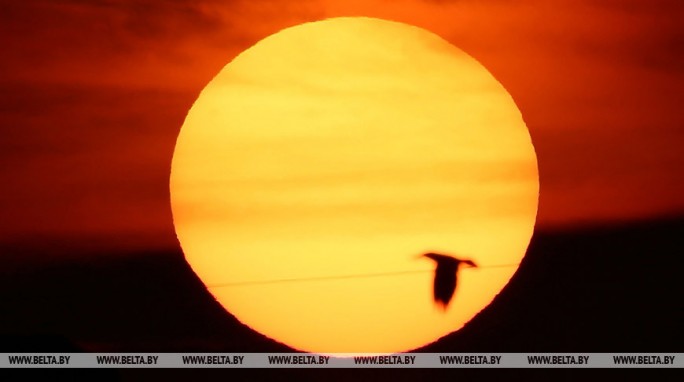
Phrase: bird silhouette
(446, 275)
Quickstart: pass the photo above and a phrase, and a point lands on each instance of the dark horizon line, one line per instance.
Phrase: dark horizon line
(63, 248)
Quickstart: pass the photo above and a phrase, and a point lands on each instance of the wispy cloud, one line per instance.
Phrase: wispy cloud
(94, 93)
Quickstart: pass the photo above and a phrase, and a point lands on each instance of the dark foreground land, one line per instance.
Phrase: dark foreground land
(601, 289)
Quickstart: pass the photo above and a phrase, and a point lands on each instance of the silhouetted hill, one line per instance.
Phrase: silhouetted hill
(125, 302)
(601, 289)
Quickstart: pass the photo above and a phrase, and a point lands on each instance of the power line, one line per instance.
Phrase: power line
(340, 277)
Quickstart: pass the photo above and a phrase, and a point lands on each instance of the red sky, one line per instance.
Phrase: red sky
(93, 94)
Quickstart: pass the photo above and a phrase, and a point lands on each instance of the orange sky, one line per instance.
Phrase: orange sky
(94, 94)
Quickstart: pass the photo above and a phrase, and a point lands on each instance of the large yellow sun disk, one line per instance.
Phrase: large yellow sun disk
(349, 147)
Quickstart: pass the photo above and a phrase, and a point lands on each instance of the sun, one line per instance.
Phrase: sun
(317, 166)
